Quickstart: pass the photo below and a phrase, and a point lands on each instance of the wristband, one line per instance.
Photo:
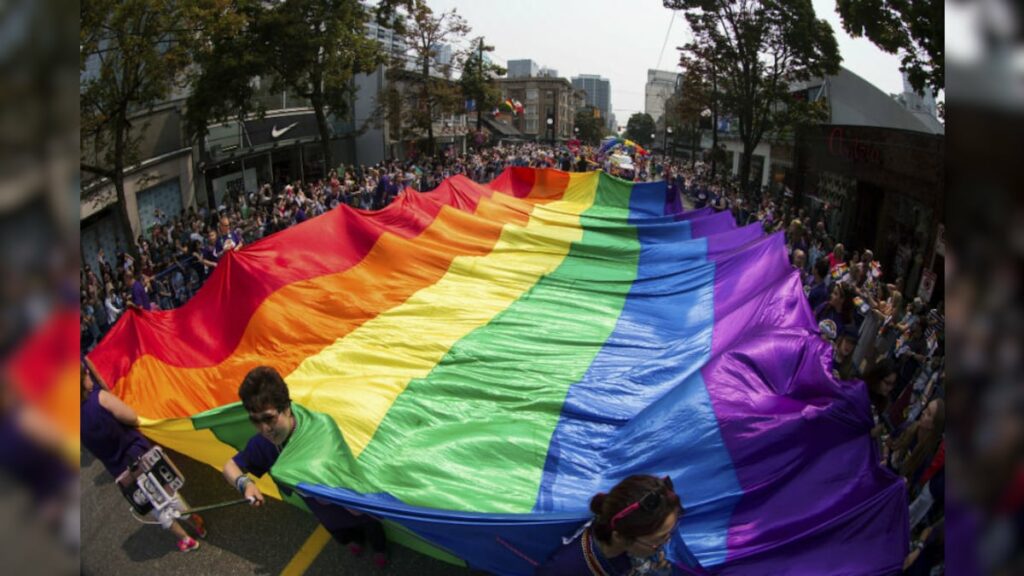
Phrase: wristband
(241, 482)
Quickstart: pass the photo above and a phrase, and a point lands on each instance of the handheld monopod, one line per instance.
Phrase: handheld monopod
(151, 485)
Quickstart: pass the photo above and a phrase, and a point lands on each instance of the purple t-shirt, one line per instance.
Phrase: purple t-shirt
(259, 456)
(113, 443)
(139, 296)
(572, 559)
(577, 557)
(42, 472)
(222, 241)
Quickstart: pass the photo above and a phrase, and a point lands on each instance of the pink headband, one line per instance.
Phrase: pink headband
(624, 512)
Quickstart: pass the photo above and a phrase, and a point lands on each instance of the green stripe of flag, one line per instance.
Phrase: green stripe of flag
(485, 415)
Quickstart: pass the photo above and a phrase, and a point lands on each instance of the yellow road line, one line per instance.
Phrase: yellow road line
(307, 553)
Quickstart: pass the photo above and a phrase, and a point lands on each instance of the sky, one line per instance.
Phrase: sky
(622, 39)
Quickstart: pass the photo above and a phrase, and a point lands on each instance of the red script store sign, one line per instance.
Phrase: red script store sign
(854, 150)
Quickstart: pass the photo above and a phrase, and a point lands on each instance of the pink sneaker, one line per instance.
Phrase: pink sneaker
(187, 544)
(355, 549)
(380, 559)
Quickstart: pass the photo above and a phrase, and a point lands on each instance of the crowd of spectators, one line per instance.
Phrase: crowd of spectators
(890, 340)
(178, 253)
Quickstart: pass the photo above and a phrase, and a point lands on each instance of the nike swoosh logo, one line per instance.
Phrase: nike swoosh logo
(275, 133)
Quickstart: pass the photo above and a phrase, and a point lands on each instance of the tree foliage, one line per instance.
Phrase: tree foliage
(133, 54)
(477, 78)
(429, 91)
(689, 110)
(225, 63)
(913, 30)
(640, 127)
(314, 48)
(758, 48)
(591, 126)
(695, 94)
(226, 60)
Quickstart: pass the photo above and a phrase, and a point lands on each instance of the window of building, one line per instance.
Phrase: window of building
(531, 94)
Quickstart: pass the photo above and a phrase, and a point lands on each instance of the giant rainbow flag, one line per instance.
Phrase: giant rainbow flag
(475, 362)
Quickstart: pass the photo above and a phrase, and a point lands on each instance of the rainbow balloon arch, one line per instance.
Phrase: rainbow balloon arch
(475, 362)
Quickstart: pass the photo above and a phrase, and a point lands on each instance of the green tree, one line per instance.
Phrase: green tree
(759, 47)
(225, 60)
(478, 79)
(591, 126)
(428, 95)
(639, 128)
(913, 30)
(314, 48)
(692, 107)
(133, 53)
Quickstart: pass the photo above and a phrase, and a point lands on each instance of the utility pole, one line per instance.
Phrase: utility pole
(696, 142)
(714, 121)
(480, 71)
(554, 114)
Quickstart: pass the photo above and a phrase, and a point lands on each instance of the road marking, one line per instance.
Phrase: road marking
(304, 558)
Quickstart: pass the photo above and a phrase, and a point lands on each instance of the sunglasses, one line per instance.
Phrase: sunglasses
(264, 418)
(661, 541)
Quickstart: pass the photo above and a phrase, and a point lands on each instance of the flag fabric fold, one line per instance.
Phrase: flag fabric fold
(485, 358)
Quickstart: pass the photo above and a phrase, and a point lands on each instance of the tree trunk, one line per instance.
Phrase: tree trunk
(693, 148)
(325, 134)
(123, 220)
(425, 69)
(745, 161)
(211, 200)
(430, 129)
(120, 144)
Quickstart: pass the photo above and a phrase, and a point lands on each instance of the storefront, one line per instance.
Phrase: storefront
(278, 148)
(883, 188)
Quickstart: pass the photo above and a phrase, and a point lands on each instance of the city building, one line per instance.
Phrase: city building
(598, 93)
(542, 99)
(522, 69)
(174, 172)
(660, 86)
(922, 105)
(392, 42)
(850, 101)
(442, 54)
(876, 165)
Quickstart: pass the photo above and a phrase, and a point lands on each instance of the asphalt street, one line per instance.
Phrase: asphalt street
(241, 539)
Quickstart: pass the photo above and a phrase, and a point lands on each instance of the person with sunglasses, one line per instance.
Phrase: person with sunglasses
(628, 534)
(266, 398)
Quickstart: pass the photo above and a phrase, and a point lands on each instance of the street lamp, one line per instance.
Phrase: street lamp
(551, 129)
(668, 132)
(705, 121)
